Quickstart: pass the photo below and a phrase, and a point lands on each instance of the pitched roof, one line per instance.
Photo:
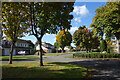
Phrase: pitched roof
(47, 43)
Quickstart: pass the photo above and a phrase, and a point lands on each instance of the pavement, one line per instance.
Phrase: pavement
(107, 69)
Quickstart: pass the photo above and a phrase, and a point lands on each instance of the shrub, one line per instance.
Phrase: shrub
(97, 55)
(95, 50)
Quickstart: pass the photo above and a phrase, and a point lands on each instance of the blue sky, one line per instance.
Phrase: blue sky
(83, 13)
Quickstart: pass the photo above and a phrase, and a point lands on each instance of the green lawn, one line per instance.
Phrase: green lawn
(53, 54)
(56, 54)
(6, 58)
(71, 56)
(49, 70)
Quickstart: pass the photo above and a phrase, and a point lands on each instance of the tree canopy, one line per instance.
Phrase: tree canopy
(14, 23)
(107, 20)
(83, 38)
(49, 18)
(13, 20)
(64, 38)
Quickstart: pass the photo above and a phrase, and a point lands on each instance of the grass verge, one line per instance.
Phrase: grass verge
(53, 54)
(71, 56)
(49, 70)
(6, 58)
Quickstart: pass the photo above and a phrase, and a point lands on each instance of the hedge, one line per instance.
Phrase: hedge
(97, 55)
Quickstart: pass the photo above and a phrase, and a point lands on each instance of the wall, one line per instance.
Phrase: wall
(7, 52)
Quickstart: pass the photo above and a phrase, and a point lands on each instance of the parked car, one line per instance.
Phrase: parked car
(21, 52)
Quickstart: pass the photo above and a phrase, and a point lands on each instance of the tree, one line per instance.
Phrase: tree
(0, 24)
(83, 38)
(13, 22)
(71, 48)
(95, 42)
(57, 45)
(107, 20)
(49, 18)
(103, 46)
(64, 38)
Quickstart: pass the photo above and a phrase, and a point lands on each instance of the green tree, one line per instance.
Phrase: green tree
(107, 21)
(57, 45)
(83, 38)
(49, 18)
(64, 38)
(103, 46)
(95, 42)
(71, 48)
(13, 22)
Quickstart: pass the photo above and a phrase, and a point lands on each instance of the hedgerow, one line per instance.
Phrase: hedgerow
(97, 55)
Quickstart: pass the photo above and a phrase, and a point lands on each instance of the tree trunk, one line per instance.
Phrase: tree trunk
(63, 49)
(40, 53)
(57, 50)
(11, 52)
(118, 47)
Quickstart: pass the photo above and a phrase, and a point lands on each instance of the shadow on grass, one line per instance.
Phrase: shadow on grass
(46, 72)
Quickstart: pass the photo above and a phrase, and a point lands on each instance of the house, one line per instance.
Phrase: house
(67, 48)
(115, 45)
(21, 47)
(47, 47)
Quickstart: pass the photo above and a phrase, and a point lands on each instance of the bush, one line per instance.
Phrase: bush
(97, 55)
(95, 50)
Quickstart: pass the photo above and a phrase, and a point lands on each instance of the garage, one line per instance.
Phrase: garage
(7, 52)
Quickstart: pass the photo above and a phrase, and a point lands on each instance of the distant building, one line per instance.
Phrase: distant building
(67, 48)
(115, 45)
(47, 47)
(21, 47)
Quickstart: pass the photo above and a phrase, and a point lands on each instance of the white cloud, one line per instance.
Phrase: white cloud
(81, 10)
(73, 29)
(78, 19)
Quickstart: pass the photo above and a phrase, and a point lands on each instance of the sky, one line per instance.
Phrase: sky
(83, 13)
